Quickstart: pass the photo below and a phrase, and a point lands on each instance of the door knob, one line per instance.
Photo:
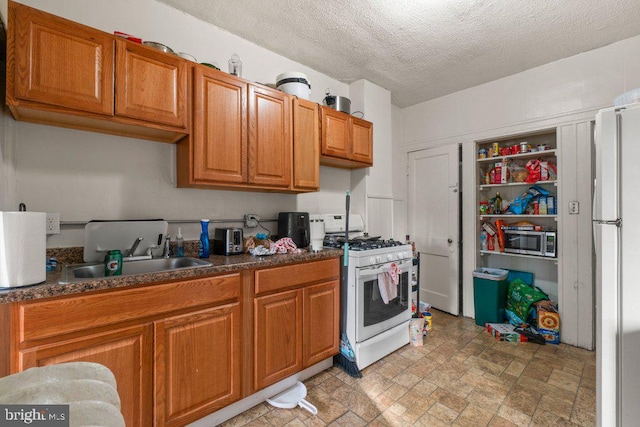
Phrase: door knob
(450, 241)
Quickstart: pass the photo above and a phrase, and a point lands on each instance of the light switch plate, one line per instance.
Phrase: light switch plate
(53, 223)
(574, 207)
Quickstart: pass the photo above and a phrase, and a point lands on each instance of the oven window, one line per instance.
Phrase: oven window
(375, 310)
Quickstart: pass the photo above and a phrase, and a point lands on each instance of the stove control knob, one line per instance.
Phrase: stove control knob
(390, 257)
(402, 255)
(379, 259)
(372, 260)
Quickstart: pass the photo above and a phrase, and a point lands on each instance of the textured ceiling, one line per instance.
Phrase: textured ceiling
(422, 49)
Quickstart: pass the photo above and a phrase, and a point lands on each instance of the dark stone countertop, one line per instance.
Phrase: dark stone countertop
(220, 264)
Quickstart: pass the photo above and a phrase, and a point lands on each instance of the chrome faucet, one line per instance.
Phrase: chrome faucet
(135, 246)
(167, 248)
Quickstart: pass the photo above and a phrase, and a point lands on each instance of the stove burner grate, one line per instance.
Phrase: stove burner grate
(361, 243)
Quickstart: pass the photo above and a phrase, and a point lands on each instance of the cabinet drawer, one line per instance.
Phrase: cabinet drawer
(43, 319)
(277, 278)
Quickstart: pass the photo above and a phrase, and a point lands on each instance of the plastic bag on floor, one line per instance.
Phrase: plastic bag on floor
(415, 332)
(520, 299)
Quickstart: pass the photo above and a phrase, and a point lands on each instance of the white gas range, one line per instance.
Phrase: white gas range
(374, 328)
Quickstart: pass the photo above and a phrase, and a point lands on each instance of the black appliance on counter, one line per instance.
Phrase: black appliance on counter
(296, 226)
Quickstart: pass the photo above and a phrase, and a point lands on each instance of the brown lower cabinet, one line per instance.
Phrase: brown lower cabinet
(278, 337)
(127, 351)
(197, 364)
(181, 350)
(296, 319)
(320, 323)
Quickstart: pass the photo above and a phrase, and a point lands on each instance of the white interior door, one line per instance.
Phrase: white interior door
(434, 223)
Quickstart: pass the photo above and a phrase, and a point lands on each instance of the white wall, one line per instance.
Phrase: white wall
(372, 187)
(5, 156)
(563, 93)
(584, 82)
(5, 164)
(398, 178)
(85, 175)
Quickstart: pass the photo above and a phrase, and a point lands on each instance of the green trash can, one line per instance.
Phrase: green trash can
(490, 295)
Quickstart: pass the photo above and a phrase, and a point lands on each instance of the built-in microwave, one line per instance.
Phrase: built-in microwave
(540, 243)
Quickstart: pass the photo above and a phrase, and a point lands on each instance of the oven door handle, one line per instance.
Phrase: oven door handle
(365, 273)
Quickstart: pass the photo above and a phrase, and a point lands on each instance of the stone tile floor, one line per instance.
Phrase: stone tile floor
(462, 376)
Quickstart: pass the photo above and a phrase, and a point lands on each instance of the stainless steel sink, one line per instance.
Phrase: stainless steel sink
(78, 272)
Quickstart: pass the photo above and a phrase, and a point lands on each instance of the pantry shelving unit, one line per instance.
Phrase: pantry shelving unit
(488, 216)
(518, 184)
(545, 269)
(555, 260)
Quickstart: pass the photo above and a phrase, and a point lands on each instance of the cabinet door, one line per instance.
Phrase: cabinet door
(270, 139)
(335, 133)
(58, 62)
(278, 337)
(321, 329)
(306, 141)
(150, 85)
(128, 352)
(197, 364)
(362, 141)
(219, 127)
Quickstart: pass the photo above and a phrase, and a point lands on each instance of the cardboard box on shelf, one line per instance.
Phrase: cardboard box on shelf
(548, 321)
(550, 337)
(505, 332)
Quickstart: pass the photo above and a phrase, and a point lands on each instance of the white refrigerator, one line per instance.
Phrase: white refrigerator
(616, 224)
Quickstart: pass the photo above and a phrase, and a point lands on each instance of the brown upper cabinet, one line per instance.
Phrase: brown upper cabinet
(241, 137)
(217, 147)
(270, 137)
(62, 73)
(150, 85)
(306, 145)
(347, 141)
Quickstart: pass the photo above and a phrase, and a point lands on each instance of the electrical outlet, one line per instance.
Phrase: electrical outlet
(53, 223)
(251, 220)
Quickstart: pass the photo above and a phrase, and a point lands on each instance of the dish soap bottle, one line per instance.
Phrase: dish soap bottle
(203, 250)
(179, 243)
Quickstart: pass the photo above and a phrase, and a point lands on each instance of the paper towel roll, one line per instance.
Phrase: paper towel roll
(23, 244)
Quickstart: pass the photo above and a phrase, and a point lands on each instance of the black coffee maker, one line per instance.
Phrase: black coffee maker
(296, 226)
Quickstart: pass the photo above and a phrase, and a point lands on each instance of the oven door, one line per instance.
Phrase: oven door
(373, 316)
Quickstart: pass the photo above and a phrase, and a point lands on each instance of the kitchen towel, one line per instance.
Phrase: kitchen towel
(388, 282)
(22, 248)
